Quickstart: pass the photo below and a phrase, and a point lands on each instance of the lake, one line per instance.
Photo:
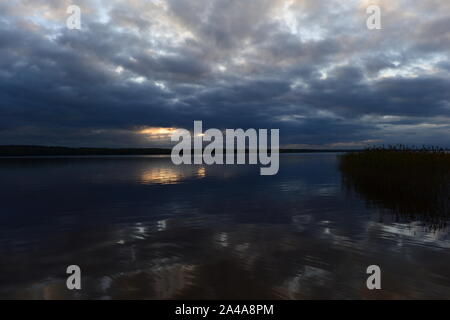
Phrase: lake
(143, 228)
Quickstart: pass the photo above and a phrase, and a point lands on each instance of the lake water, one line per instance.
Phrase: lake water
(140, 227)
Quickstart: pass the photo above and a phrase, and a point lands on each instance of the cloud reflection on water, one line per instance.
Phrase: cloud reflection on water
(232, 234)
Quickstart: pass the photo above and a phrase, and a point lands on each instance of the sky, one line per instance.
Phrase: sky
(139, 69)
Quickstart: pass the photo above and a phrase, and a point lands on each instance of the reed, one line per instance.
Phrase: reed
(413, 183)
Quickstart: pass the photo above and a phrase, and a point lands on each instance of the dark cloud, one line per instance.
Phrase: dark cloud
(310, 68)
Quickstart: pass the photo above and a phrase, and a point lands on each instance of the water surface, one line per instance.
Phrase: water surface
(140, 227)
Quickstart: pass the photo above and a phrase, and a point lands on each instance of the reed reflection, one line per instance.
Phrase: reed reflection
(412, 184)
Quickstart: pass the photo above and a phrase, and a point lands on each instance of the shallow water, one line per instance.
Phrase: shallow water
(140, 227)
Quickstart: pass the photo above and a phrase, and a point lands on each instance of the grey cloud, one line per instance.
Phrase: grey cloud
(311, 69)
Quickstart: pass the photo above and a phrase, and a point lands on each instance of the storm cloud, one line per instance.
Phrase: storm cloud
(310, 68)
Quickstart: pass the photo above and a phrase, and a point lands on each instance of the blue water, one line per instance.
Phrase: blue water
(142, 228)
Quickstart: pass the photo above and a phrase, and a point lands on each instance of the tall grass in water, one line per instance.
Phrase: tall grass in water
(412, 183)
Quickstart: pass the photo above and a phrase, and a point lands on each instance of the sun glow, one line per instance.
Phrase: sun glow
(157, 132)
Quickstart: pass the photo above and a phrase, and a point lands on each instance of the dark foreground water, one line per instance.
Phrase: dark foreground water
(140, 227)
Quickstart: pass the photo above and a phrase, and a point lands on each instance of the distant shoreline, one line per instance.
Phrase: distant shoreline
(36, 151)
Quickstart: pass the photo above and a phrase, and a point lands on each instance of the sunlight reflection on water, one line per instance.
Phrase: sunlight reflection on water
(143, 228)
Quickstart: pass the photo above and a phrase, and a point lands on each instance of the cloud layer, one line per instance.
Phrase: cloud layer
(308, 67)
